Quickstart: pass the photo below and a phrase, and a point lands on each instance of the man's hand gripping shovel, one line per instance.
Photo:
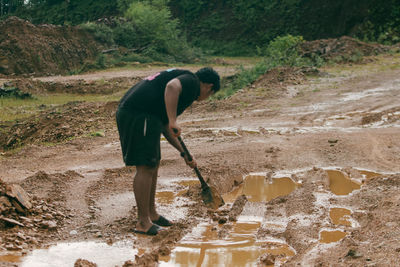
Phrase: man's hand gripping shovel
(209, 194)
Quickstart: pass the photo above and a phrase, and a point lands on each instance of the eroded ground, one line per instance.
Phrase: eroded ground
(309, 167)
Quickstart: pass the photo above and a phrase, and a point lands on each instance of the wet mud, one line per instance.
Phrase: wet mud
(308, 169)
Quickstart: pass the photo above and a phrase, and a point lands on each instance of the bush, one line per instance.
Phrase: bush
(282, 51)
(157, 33)
(101, 32)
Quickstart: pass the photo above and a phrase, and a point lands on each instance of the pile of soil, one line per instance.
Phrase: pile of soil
(280, 78)
(59, 124)
(104, 87)
(26, 220)
(341, 49)
(43, 49)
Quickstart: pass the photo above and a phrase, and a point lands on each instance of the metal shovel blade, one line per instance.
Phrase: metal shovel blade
(211, 197)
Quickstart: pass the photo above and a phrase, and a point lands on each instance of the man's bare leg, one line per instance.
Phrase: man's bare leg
(152, 206)
(142, 187)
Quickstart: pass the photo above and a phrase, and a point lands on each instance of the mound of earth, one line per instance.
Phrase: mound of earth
(341, 49)
(60, 123)
(104, 87)
(43, 49)
(27, 219)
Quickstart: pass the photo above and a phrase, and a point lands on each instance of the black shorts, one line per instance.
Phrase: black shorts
(139, 134)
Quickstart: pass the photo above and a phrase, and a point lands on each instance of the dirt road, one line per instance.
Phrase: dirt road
(301, 152)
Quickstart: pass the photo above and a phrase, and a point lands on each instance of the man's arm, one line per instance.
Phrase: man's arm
(171, 97)
(175, 143)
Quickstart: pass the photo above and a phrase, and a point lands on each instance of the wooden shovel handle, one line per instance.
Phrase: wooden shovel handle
(204, 185)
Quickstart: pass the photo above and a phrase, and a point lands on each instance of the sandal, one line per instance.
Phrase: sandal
(162, 221)
(154, 229)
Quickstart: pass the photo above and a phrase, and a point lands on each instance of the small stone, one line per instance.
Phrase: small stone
(73, 232)
(21, 236)
(12, 221)
(333, 141)
(268, 260)
(354, 254)
(51, 225)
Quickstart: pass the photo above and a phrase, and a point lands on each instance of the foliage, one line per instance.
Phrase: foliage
(149, 30)
(282, 51)
(101, 32)
(156, 31)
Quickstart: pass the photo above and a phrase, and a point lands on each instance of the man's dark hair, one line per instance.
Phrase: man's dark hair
(209, 75)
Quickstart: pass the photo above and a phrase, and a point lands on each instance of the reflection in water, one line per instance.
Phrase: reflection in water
(340, 216)
(203, 247)
(280, 249)
(369, 174)
(331, 236)
(259, 189)
(340, 183)
(65, 254)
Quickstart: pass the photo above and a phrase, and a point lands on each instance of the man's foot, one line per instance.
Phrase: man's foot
(162, 221)
(153, 230)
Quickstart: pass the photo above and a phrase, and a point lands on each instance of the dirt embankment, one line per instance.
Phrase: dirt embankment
(341, 49)
(43, 49)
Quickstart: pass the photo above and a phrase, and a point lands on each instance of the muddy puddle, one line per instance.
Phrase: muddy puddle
(204, 245)
(259, 188)
(66, 254)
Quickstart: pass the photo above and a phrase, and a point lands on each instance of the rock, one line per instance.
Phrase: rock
(354, 254)
(18, 193)
(73, 232)
(51, 225)
(5, 205)
(84, 263)
(25, 219)
(21, 236)
(333, 141)
(268, 259)
(11, 221)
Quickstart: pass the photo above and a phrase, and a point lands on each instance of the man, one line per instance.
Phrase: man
(148, 109)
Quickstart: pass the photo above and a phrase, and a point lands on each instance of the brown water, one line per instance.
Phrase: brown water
(10, 258)
(203, 247)
(277, 249)
(259, 189)
(331, 236)
(340, 183)
(340, 216)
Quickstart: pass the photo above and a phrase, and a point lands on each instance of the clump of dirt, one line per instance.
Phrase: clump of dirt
(82, 87)
(342, 49)
(84, 263)
(43, 49)
(60, 123)
(221, 177)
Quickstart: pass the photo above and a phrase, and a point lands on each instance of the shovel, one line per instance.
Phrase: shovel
(209, 194)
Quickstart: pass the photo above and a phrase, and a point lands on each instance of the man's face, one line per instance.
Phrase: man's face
(205, 91)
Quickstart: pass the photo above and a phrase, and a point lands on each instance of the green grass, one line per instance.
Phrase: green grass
(12, 108)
